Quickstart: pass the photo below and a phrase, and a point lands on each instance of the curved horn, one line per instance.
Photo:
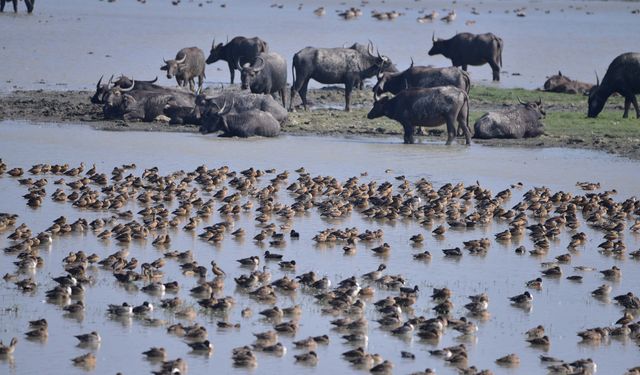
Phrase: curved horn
(184, 58)
(213, 44)
(375, 97)
(154, 80)
(110, 80)
(164, 61)
(259, 67)
(378, 53)
(597, 79)
(433, 37)
(411, 66)
(520, 101)
(238, 66)
(133, 83)
(99, 82)
(370, 47)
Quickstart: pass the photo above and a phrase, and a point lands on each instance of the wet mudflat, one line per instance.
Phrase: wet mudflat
(562, 306)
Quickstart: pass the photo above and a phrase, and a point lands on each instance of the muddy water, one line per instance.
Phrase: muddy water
(79, 40)
(562, 307)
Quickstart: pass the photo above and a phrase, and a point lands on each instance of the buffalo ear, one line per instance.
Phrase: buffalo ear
(163, 67)
(560, 73)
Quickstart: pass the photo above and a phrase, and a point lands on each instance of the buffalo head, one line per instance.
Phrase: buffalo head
(213, 117)
(249, 72)
(216, 52)
(172, 67)
(101, 91)
(596, 101)
(379, 107)
(535, 107)
(438, 47)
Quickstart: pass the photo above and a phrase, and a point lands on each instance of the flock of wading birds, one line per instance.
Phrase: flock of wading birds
(542, 214)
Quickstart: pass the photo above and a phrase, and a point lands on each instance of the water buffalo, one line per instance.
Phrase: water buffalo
(364, 49)
(522, 121)
(134, 104)
(188, 64)
(267, 75)
(239, 49)
(470, 49)
(334, 65)
(28, 3)
(563, 84)
(623, 77)
(243, 124)
(241, 101)
(122, 82)
(426, 107)
(422, 77)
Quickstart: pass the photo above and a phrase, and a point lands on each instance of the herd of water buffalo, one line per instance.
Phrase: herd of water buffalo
(418, 96)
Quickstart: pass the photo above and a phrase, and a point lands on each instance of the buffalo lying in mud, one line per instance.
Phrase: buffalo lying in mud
(334, 65)
(523, 121)
(133, 104)
(267, 75)
(563, 84)
(428, 107)
(188, 65)
(232, 123)
(470, 49)
(623, 77)
(239, 102)
(122, 82)
(239, 49)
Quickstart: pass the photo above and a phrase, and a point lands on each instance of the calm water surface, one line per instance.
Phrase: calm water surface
(562, 307)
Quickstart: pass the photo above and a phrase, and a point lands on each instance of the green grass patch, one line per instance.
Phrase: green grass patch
(608, 124)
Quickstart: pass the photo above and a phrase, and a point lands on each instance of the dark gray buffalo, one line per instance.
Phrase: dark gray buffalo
(188, 65)
(334, 65)
(422, 77)
(524, 121)
(239, 102)
(364, 48)
(470, 49)
(231, 123)
(267, 75)
(133, 104)
(122, 82)
(239, 49)
(428, 107)
(563, 84)
(623, 77)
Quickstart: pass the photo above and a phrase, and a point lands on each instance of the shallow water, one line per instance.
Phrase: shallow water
(562, 307)
(70, 44)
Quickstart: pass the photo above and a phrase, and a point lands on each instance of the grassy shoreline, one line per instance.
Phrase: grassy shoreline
(566, 123)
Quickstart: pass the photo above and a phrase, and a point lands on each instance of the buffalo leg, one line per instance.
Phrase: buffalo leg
(29, 4)
(303, 94)
(462, 123)
(15, 6)
(348, 88)
(200, 81)
(451, 130)
(627, 104)
(284, 99)
(634, 101)
(496, 71)
(408, 133)
(232, 72)
(2, 3)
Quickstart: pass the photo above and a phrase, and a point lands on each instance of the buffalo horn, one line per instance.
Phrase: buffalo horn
(133, 83)
(238, 66)
(99, 82)
(520, 101)
(370, 47)
(411, 63)
(184, 58)
(433, 37)
(258, 68)
(597, 79)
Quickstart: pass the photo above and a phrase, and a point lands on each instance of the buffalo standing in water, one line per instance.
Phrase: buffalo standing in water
(428, 107)
(471, 49)
(520, 122)
(239, 49)
(623, 77)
